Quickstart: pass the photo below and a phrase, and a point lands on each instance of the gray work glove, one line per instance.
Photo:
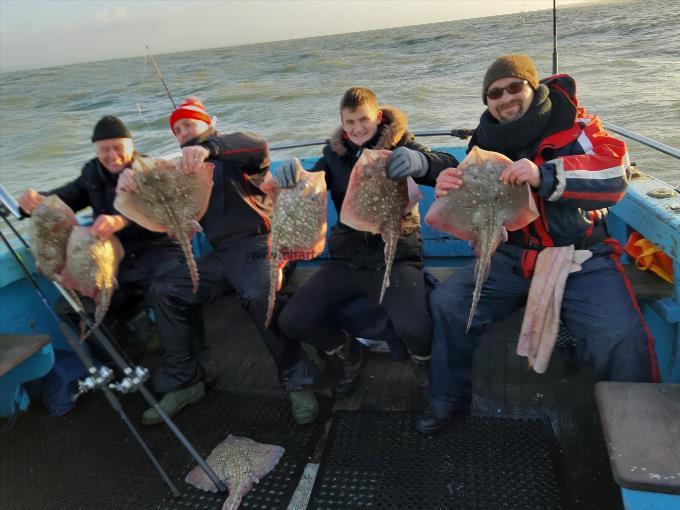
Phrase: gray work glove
(406, 163)
(288, 174)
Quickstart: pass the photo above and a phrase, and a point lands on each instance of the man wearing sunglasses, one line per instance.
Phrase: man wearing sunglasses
(575, 171)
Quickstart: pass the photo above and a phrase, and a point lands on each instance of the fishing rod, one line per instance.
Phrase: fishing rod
(555, 57)
(160, 75)
(661, 147)
(134, 379)
(99, 377)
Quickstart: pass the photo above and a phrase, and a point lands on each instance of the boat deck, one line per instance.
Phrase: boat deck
(503, 387)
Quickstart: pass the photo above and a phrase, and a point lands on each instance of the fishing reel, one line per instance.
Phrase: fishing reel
(132, 381)
(98, 379)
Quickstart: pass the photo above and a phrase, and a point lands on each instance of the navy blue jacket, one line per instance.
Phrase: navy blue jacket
(583, 171)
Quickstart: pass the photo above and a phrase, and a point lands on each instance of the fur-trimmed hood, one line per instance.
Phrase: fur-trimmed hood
(394, 126)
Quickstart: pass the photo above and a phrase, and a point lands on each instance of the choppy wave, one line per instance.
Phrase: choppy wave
(624, 55)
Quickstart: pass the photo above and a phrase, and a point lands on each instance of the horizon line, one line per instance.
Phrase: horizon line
(143, 55)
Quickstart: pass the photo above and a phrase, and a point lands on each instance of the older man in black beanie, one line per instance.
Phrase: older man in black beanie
(575, 171)
(147, 254)
(96, 185)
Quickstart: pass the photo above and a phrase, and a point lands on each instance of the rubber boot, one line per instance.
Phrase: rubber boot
(303, 405)
(173, 402)
(347, 361)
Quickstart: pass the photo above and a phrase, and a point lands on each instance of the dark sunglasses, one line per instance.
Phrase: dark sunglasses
(514, 88)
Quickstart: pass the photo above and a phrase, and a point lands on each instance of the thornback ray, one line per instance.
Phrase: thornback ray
(482, 209)
(92, 267)
(240, 463)
(169, 200)
(373, 203)
(298, 229)
(51, 224)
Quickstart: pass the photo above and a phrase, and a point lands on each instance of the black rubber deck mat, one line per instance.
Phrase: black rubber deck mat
(378, 461)
(88, 459)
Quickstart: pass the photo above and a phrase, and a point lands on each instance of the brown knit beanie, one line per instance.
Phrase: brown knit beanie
(517, 65)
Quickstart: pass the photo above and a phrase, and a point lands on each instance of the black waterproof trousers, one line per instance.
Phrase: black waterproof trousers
(140, 267)
(241, 265)
(311, 315)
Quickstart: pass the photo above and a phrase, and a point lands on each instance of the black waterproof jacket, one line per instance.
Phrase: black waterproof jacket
(238, 207)
(362, 249)
(96, 188)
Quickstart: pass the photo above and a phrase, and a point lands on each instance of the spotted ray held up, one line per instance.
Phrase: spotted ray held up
(169, 200)
(298, 229)
(91, 268)
(239, 462)
(482, 209)
(373, 203)
(51, 224)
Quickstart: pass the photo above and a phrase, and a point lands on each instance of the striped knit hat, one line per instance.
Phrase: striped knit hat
(191, 108)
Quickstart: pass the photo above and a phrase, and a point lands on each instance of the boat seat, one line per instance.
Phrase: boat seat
(14, 349)
(647, 285)
(22, 358)
(641, 423)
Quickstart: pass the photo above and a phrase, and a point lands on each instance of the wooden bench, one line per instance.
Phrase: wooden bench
(14, 349)
(641, 423)
(22, 358)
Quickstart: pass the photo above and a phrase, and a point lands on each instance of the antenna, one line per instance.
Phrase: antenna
(555, 57)
(153, 61)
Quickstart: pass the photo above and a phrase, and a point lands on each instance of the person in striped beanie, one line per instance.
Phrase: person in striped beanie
(190, 120)
(237, 225)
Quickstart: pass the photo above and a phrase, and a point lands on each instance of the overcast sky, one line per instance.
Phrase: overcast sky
(37, 34)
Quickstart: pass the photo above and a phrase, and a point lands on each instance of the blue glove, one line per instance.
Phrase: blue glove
(288, 174)
(406, 163)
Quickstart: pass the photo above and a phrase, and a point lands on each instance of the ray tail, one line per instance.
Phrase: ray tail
(273, 287)
(184, 242)
(487, 245)
(104, 300)
(390, 238)
(236, 495)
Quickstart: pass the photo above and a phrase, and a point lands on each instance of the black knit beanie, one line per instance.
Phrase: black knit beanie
(110, 127)
(517, 65)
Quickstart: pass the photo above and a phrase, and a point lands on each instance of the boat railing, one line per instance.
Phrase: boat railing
(661, 147)
(467, 133)
(455, 133)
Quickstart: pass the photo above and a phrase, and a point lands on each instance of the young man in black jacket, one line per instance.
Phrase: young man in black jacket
(147, 254)
(237, 225)
(357, 258)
